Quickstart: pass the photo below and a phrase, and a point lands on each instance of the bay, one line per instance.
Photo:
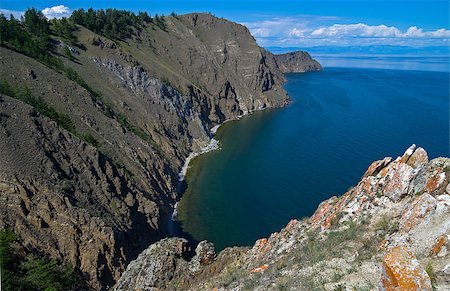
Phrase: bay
(279, 164)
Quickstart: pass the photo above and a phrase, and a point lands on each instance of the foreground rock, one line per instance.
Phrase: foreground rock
(297, 62)
(391, 231)
(402, 271)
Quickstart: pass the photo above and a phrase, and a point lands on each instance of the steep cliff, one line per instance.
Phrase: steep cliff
(391, 231)
(142, 104)
(297, 62)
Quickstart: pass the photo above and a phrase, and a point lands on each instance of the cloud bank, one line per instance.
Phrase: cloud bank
(364, 30)
(307, 30)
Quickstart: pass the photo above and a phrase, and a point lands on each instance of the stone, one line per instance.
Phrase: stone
(205, 253)
(407, 154)
(434, 182)
(292, 223)
(154, 267)
(260, 244)
(397, 187)
(414, 212)
(402, 271)
(438, 245)
(446, 269)
(376, 166)
(260, 269)
(418, 158)
(320, 212)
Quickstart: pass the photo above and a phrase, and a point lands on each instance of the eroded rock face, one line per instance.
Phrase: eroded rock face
(63, 197)
(395, 238)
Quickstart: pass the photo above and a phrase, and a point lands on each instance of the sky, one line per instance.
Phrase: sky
(294, 23)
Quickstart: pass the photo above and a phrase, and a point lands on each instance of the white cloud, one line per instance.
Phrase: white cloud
(310, 30)
(364, 30)
(355, 30)
(58, 11)
(298, 32)
(7, 13)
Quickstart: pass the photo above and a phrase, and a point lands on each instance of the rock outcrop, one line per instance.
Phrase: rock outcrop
(297, 62)
(391, 231)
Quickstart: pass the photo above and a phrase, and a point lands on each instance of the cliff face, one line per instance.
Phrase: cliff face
(297, 62)
(154, 98)
(391, 231)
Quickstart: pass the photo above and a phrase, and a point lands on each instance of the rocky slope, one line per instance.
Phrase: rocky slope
(391, 231)
(154, 98)
(297, 62)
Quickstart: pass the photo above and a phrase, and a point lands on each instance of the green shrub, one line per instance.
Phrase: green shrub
(68, 53)
(316, 250)
(387, 225)
(87, 137)
(32, 272)
(430, 271)
(24, 94)
(43, 274)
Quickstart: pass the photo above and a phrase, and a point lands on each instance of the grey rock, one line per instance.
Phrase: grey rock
(154, 267)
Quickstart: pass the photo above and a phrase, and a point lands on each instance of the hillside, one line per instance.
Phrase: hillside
(390, 231)
(297, 62)
(96, 126)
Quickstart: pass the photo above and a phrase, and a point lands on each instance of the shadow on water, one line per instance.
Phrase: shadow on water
(174, 227)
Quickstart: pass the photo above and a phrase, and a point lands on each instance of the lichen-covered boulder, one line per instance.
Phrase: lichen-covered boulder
(402, 271)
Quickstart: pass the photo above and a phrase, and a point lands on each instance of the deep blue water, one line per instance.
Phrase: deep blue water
(280, 164)
(397, 62)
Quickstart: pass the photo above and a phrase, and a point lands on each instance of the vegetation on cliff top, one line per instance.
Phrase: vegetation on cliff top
(112, 23)
(32, 36)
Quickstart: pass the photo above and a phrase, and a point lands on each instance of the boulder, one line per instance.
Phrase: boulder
(154, 267)
(402, 271)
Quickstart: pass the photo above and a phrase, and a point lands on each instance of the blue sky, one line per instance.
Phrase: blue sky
(300, 23)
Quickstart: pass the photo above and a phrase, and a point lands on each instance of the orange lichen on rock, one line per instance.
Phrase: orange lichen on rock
(434, 183)
(383, 244)
(384, 172)
(420, 208)
(261, 247)
(402, 271)
(419, 157)
(367, 186)
(291, 224)
(320, 212)
(327, 223)
(377, 166)
(438, 245)
(260, 269)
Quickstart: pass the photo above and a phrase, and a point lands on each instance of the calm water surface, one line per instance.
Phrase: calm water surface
(280, 164)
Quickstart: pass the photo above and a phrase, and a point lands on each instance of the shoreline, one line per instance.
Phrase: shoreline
(211, 146)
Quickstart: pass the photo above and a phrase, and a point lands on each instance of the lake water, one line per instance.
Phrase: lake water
(279, 164)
